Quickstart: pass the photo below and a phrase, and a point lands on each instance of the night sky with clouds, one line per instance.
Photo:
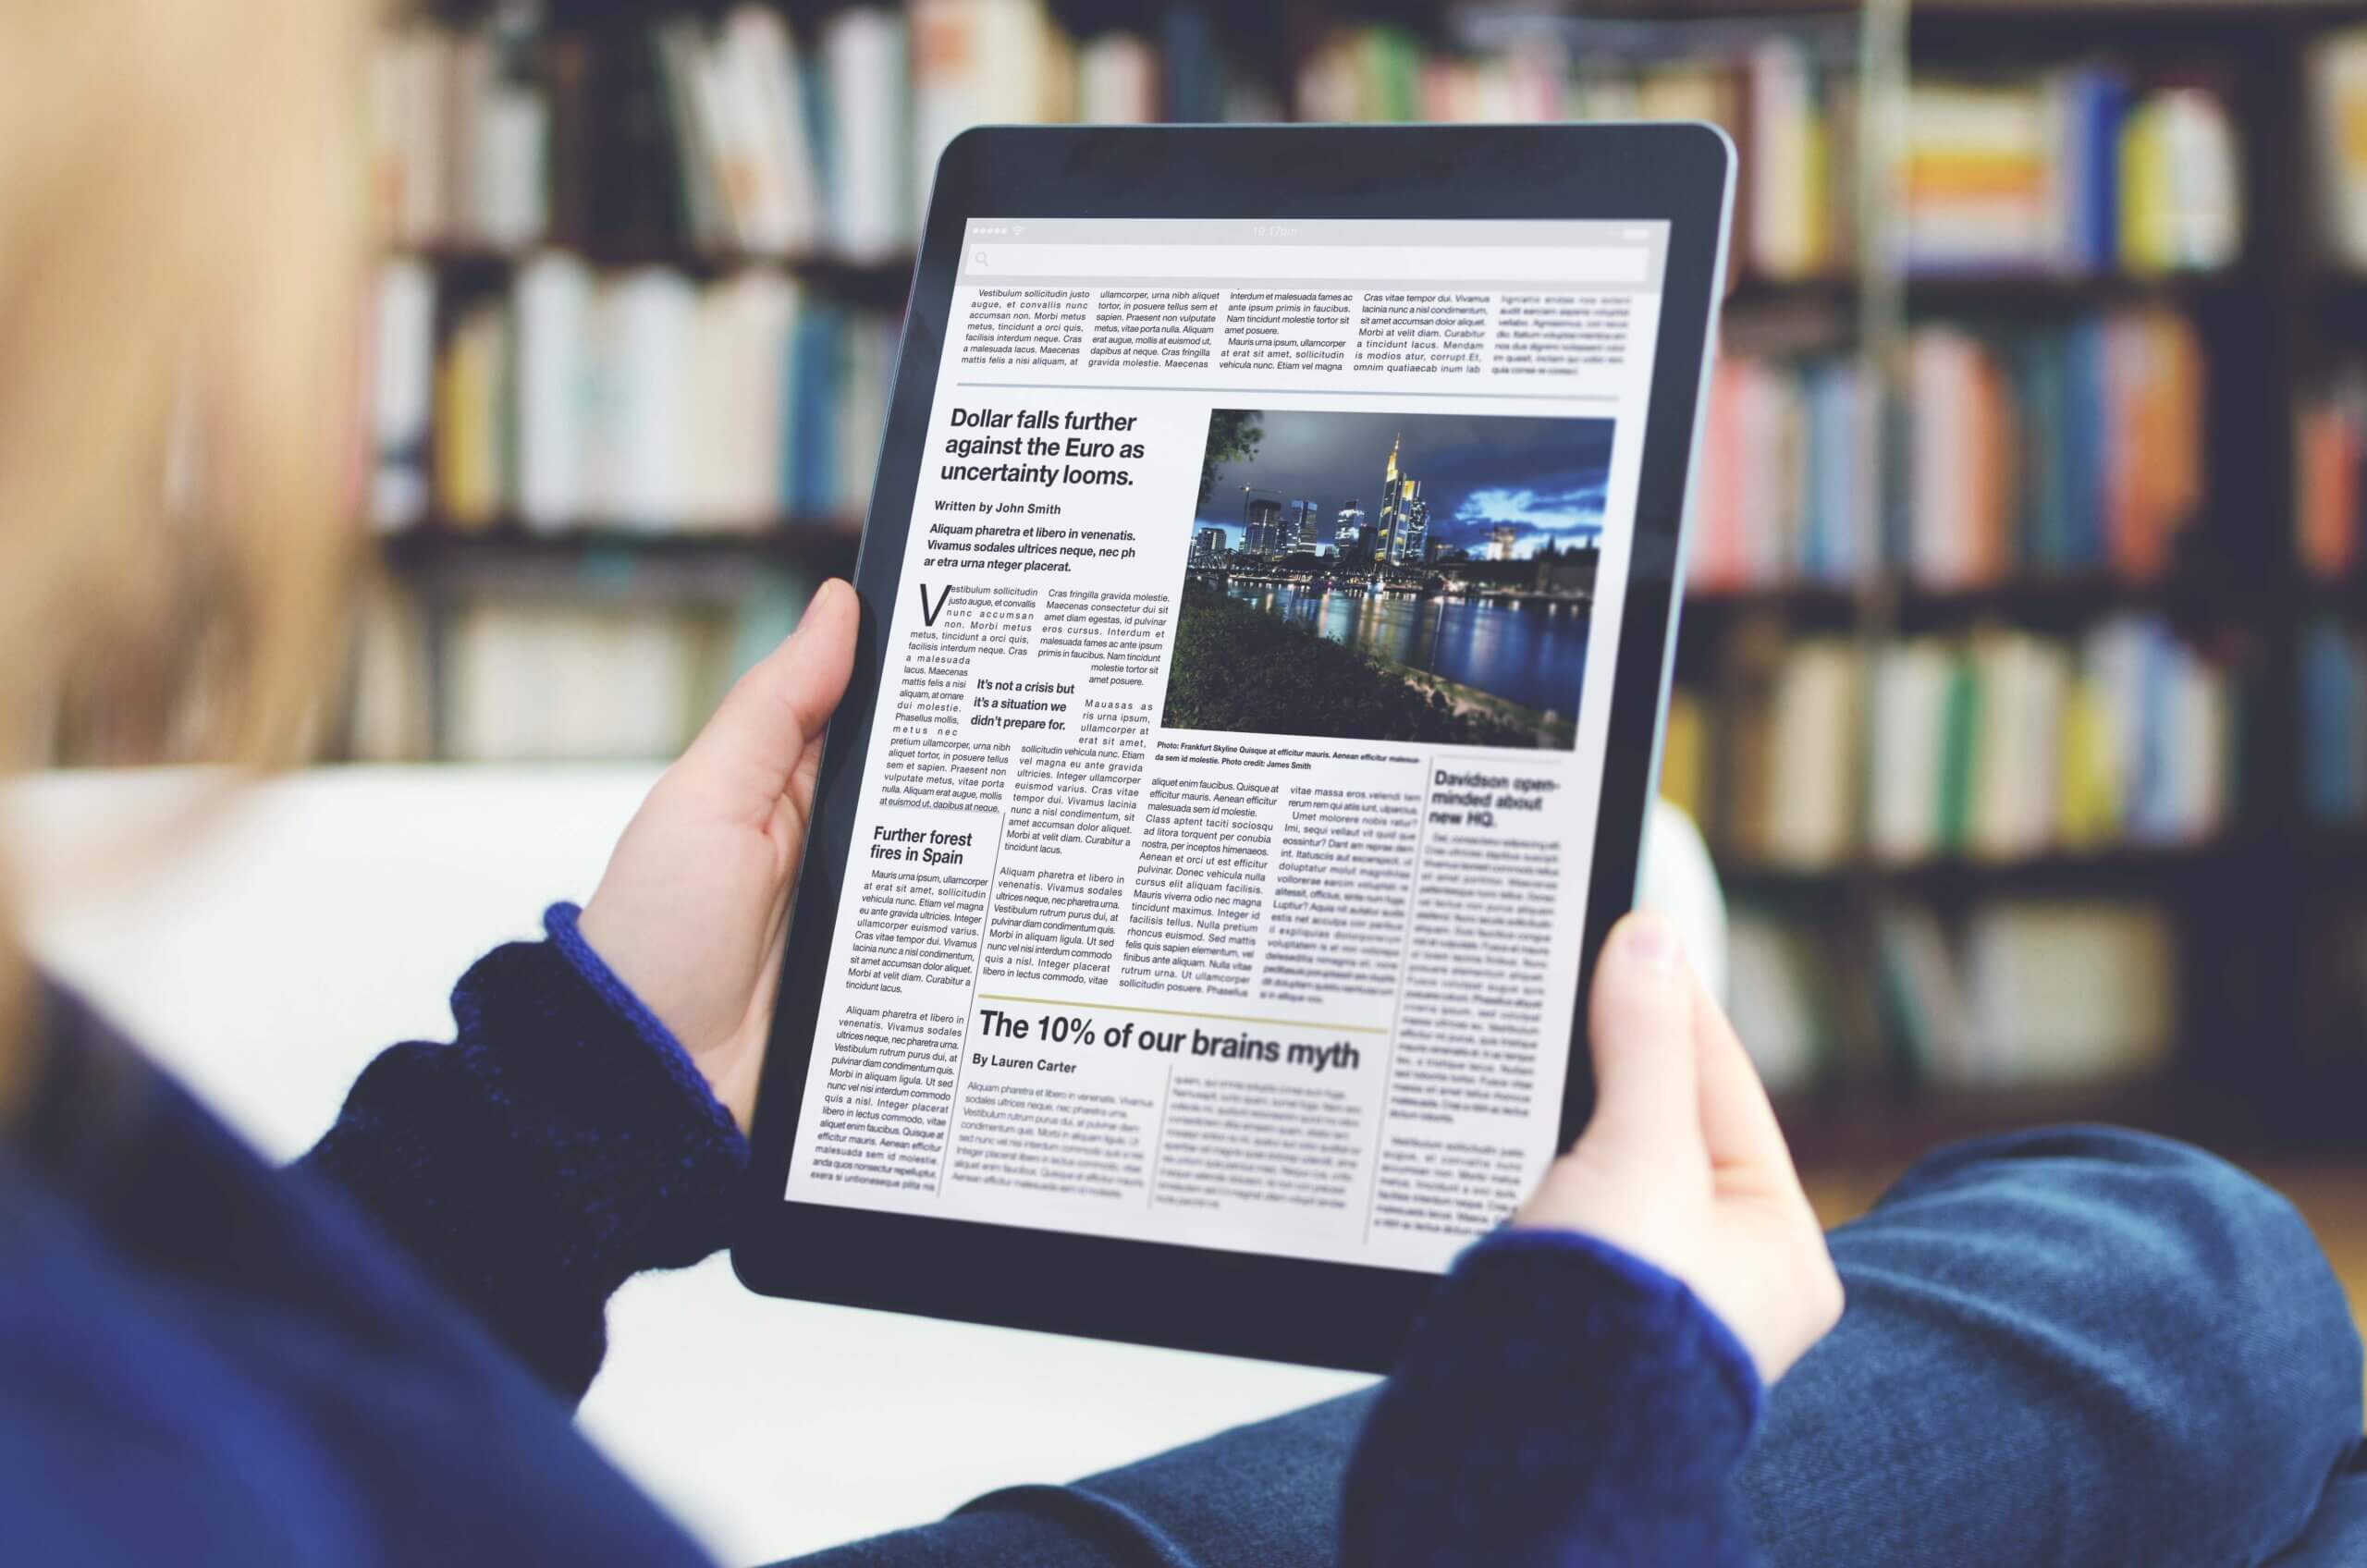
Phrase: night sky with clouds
(1545, 476)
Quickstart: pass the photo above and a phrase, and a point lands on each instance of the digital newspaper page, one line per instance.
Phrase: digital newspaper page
(1220, 859)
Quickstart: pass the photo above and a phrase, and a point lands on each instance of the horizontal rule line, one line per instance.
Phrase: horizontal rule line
(1290, 391)
(1179, 1012)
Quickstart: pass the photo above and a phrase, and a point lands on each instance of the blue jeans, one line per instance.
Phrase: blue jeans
(2062, 1347)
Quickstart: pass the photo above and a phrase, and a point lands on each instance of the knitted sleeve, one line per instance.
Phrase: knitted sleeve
(1562, 1403)
(561, 1142)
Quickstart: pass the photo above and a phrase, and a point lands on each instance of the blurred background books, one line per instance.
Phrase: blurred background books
(2022, 685)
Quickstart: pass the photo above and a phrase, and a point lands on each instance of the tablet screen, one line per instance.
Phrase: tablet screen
(1221, 856)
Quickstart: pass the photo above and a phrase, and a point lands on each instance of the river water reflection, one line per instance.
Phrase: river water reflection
(1532, 654)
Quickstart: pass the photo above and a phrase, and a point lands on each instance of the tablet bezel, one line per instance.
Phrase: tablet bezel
(1197, 1298)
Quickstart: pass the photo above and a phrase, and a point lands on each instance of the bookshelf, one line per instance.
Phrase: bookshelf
(2254, 893)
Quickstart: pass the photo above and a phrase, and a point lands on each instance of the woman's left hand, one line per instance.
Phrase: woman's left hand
(695, 905)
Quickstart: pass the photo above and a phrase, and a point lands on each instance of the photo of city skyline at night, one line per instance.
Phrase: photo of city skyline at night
(1390, 577)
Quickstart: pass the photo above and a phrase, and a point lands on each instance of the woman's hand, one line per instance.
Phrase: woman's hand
(1682, 1164)
(692, 909)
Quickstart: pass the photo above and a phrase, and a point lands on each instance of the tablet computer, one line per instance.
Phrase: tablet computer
(1268, 600)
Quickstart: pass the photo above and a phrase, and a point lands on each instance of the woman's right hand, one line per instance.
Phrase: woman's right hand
(1682, 1164)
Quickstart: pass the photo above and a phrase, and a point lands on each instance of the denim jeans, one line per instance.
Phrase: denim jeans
(2062, 1347)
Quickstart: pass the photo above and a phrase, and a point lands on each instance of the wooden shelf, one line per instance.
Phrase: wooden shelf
(2331, 851)
(1807, 600)
(2346, 594)
(2120, 869)
(1753, 291)
(882, 282)
(2018, 290)
(2138, 10)
(2031, 293)
(2039, 600)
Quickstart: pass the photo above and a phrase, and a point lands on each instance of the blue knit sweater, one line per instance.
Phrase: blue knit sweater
(372, 1358)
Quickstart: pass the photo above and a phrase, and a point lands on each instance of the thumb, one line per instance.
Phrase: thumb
(1639, 1023)
(761, 730)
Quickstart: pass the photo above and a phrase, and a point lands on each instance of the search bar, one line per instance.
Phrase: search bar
(1425, 263)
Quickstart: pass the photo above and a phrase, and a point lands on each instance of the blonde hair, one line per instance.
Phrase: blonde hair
(180, 256)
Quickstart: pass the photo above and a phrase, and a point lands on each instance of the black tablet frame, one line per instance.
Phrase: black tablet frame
(1197, 1298)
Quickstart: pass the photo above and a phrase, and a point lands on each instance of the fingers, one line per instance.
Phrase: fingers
(764, 727)
(1738, 1127)
(1640, 1026)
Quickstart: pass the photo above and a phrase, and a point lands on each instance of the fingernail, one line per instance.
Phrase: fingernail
(1648, 940)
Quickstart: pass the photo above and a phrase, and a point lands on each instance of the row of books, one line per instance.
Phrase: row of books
(2072, 171)
(2017, 994)
(2057, 452)
(1787, 491)
(2062, 449)
(2028, 993)
(637, 400)
(602, 674)
(1995, 747)
(2330, 473)
(1794, 119)
(740, 133)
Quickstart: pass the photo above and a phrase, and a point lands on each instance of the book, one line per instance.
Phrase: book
(1996, 746)
(1812, 797)
(473, 388)
(2078, 991)
(2181, 185)
(2330, 442)
(552, 301)
(2071, 171)
(980, 62)
(1792, 112)
(1907, 715)
(1919, 994)
(2026, 993)
(2333, 675)
(388, 708)
(2016, 766)
(1684, 782)
(2051, 451)
(2056, 451)
(1777, 981)
(1786, 483)
(1118, 80)
(862, 105)
(400, 391)
(1980, 178)
(780, 212)
(636, 398)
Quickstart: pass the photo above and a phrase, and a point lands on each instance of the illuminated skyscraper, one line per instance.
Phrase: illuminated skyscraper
(1263, 526)
(1404, 520)
(1208, 546)
(1500, 540)
(1348, 527)
(1301, 523)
